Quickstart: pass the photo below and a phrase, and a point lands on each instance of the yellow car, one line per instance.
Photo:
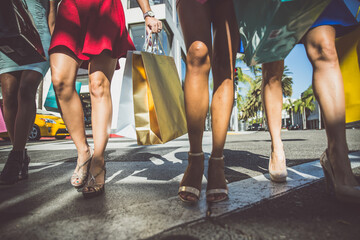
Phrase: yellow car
(45, 125)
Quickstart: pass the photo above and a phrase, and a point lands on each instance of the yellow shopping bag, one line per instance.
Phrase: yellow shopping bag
(348, 48)
(158, 99)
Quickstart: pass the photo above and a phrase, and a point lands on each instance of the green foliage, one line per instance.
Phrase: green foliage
(252, 104)
(306, 103)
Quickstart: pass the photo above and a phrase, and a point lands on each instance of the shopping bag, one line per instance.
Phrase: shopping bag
(269, 29)
(19, 39)
(123, 107)
(2, 123)
(348, 49)
(152, 100)
(50, 103)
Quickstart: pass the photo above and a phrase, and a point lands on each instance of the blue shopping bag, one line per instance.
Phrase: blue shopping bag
(50, 101)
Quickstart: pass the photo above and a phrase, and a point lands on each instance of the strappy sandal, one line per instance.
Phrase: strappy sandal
(191, 182)
(219, 174)
(78, 179)
(92, 188)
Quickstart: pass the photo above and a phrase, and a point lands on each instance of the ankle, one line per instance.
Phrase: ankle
(277, 147)
(196, 154)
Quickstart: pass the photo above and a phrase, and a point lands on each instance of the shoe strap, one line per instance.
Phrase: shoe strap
(217, 158)
(93, 177)
(217, 191)
(196, 154)
(96, 175)
(188, 189)
(91, 155)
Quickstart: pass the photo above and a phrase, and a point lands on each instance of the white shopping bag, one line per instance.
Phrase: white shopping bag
(123, 122)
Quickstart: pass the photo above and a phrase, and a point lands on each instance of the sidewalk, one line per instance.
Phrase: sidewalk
(307, 213)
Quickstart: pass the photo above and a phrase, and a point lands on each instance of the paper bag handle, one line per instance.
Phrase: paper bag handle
(152, 44)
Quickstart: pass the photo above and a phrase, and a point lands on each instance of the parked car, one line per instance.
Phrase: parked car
(46, 125)
(255, 127)
(293, 127)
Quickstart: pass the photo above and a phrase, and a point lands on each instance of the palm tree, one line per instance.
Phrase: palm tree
(305, 104)
(289, 107)
(256, 69)
(286, 82)
(253, 102)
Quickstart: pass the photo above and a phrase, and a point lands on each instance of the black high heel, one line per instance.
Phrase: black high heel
(344, 193)
(24, 173)
(12, 168)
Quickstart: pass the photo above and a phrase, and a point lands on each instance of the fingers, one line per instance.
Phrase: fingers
(159, 25)
(154, 25)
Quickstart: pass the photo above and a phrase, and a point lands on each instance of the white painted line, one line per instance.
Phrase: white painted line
(49, 165)
(113, 176)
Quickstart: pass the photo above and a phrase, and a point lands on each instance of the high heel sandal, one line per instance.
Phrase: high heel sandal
(216, 192)
(78, 179)
(92, 188)
(24, 173)
(343, 193)
(10, 173)
(278, 176)
(192, 178)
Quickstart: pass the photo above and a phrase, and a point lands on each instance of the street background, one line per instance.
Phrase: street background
(141, 193)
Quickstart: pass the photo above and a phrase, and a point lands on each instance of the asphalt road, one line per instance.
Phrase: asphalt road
(142, 181)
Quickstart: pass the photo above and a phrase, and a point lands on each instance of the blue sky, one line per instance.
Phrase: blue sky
(298, 64)
(301, 68)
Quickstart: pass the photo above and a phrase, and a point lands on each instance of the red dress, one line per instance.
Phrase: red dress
(88, 27)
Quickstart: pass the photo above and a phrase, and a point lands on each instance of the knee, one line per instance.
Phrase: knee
(99, 87)
(27, 93)
(323, 52)
(62, 89)
(198, 55)
(10, 99)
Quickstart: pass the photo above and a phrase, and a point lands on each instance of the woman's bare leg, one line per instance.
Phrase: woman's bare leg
(19, 91)
(10, 83)
(25, 116)
(329, 91)
(272, 97)
(226, 42)
(101, 70)
(195, 21)
(64, 65)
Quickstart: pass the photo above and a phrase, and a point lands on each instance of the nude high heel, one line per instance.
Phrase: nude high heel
(278, 176)
(343, 193)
